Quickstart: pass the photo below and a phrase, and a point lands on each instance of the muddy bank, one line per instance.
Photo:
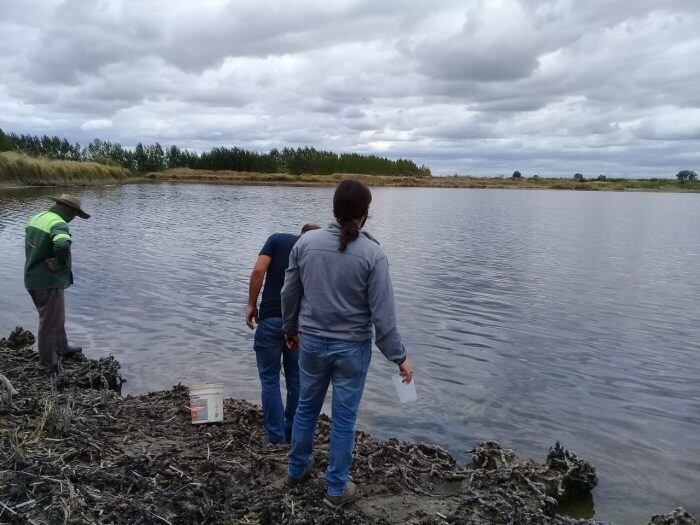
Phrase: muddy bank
(75, 451)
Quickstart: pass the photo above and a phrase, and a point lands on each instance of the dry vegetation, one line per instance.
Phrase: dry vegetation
(17, 169)
(285, 179)
(74, 451)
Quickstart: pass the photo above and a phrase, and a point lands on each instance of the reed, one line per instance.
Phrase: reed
(22, 170)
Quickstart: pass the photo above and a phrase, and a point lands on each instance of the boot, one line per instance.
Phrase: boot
(347, 497)
(291, 482)
(72, 351)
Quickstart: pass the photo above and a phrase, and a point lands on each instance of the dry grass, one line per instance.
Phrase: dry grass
(280, 179)
(284, 179)
(22, 170)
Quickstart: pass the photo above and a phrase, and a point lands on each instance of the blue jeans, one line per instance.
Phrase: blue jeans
(270, 351)
(344, 364)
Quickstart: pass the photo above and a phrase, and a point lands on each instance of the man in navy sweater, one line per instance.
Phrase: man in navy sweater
(271, 351)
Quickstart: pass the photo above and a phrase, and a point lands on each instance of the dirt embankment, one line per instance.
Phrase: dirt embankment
(75, 451)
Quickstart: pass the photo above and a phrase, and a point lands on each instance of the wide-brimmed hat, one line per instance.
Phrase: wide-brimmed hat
(73, 202)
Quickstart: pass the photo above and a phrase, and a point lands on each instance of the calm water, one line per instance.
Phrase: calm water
(531, 316)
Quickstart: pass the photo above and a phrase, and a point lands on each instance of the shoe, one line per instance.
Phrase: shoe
(265, 442)
(72, 351)
(347, 497)
(46, 370)
(292, 482)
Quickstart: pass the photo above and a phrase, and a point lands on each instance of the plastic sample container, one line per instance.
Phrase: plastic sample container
(405, 391)
(207, 403)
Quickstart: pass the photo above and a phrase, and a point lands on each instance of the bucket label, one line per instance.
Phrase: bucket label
(199, 409)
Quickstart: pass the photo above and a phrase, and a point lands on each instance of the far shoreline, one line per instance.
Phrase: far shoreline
(243, 178)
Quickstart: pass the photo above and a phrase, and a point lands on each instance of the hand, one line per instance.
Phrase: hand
(251, 314)
(406, 370)
(293, 341)
(53, 264)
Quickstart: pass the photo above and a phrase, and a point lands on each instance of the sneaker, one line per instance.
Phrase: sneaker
(291, 482)
(347, 497)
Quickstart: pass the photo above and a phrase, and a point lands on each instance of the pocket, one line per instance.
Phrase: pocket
(353, 362)
(267, 336)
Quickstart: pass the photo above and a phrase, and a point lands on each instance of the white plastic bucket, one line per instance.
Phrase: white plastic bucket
(207, 403)
(405, 391)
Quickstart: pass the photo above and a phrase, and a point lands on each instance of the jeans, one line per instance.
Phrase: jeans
(270, 351)
(344, 364)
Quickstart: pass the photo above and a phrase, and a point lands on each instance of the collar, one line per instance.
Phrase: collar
(334, 228)
(58, 212)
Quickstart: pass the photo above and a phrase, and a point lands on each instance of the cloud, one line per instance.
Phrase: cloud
(97, 124)
(481, 87)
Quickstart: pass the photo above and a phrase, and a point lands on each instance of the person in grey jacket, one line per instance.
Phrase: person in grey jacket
(336, 290)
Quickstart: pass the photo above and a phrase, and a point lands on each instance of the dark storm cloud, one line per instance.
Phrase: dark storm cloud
(481, 87)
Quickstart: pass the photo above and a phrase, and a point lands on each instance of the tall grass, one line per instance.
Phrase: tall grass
(20, 169)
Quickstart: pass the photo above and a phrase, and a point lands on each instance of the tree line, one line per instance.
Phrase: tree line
(154, 157)
(578, 177)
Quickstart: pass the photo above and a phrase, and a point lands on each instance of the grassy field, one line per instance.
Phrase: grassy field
(17, 169)
(284, 179)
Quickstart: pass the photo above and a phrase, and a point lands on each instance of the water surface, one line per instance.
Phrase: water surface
(531, 316)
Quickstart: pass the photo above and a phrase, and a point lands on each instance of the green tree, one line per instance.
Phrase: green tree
(140, 158)
(517, 174)
(5, 143)
(579, 178)
(686, 175)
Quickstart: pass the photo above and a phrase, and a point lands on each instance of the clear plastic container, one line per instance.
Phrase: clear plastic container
(405, 391)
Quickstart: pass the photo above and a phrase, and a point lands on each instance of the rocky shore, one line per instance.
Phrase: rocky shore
(73, 450)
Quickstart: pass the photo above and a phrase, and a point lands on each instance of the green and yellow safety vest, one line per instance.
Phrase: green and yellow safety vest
(47, 237)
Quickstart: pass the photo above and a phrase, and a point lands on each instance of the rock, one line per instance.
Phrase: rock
(577, 476)
(679, 516)
(19, 338)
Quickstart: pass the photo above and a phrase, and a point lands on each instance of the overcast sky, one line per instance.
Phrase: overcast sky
(469, 87)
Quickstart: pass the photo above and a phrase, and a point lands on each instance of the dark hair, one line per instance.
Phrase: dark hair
(309, 226)
(350, 202)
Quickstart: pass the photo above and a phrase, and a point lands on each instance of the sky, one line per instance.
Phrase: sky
(469, 87)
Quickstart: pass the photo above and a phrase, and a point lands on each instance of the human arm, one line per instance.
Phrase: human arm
(381, 303)
(291, 295)
(61, 238)
(257, 277)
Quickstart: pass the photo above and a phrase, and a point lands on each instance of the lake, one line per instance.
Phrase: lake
(530, 316)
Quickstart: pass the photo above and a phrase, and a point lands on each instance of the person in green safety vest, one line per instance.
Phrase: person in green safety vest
(47, 273)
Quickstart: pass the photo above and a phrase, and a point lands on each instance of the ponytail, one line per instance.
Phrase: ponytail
(348, 233)
(350, 203)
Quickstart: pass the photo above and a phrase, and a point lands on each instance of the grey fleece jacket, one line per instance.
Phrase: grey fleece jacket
(340, 295)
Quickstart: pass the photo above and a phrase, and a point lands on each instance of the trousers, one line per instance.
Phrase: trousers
(52, 340)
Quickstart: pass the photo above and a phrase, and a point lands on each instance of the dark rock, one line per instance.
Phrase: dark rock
(19, 338)
(679, 516)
